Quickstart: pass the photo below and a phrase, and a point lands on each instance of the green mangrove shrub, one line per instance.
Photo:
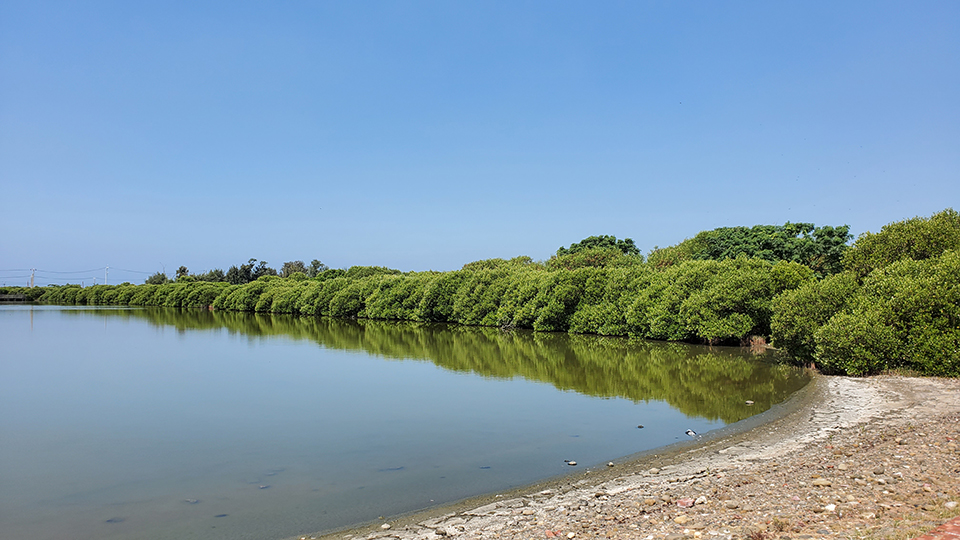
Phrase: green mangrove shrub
(906, 315)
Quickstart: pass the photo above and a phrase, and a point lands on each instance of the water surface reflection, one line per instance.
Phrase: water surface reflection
(134, 423)
(709, 382)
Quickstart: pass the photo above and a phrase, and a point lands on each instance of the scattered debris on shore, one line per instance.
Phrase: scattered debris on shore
(870, 458)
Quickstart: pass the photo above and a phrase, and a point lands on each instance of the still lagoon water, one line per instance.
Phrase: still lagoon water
(155, 424)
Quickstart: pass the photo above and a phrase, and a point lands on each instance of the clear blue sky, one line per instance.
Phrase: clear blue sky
(425, 135)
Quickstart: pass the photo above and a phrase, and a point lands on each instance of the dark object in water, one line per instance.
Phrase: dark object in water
(391, 469)
(485, 467)
(115, 520)
(692, 433)
(221, 515)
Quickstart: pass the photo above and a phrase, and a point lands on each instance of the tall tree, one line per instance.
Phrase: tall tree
(242, 274)
(262, 270)
(626, 246)
(291, 267)
(316, 267)
(157, 279)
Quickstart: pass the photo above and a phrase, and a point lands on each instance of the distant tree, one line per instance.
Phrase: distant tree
(262, 270)
(316, 268)
(182, 271)
(242, 274)
(213, 275)
(593, 257)
(233, 276)
(291, 267)
(626, 246)
(157, 279)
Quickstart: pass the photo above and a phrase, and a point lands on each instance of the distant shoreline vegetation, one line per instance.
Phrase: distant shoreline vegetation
(891, 300)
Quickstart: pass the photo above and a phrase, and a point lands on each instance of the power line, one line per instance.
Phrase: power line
(133, 271)
(39, 270)
(76, 272)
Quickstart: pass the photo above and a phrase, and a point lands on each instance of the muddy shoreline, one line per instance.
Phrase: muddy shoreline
(645, 495)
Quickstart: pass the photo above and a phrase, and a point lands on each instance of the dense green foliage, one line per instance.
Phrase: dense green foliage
(917, 239)
(32, 294)
(893, 305)
(820, 248)
(896, 305)
(906, 315)
(593, 257)
(625, 246)
(799, 313)
(158, 278)
(710, 301)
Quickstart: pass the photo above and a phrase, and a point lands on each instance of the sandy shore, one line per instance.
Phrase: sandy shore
(846, 458)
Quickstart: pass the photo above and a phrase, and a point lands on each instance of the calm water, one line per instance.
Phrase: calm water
(154, 424)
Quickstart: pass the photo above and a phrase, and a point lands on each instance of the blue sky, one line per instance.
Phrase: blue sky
(425, 135)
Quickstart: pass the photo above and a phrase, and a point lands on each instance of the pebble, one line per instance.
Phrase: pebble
(385, 526)
(853, 480)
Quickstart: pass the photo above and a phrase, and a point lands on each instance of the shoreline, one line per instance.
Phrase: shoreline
(646, 495)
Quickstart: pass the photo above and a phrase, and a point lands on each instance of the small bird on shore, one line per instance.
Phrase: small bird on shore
(692, 433)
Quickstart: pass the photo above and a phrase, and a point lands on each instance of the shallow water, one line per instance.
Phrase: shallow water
(133, 423)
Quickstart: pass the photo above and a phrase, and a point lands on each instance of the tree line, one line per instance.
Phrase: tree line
(891, 300)
(238, 275)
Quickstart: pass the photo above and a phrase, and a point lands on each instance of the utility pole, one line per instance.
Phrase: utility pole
(32, 270)
(105, 272)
